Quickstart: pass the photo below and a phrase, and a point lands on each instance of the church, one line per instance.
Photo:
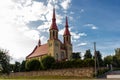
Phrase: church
(60, 50)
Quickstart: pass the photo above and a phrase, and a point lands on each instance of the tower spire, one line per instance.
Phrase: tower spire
(66, 25)
(54, 25)
(39, 42)
(66, 32)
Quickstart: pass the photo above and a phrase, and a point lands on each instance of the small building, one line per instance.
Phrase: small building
(54, 47)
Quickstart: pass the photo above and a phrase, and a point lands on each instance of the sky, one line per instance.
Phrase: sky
(23, 22)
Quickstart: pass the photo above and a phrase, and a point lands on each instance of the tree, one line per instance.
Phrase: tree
(87, 54)
(76, 55)
(108, 60)
(47, 62)
(99, 58)
(4, 61)
(17, 67)
(22, 67)
(33, 65)
(116, 61)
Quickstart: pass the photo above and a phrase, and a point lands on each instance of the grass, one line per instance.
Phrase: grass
(43, 77)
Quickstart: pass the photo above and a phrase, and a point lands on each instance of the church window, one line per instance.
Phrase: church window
(53, 33)
(56, 56)
(62, 55)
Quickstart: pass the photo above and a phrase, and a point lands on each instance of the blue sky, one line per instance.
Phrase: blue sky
(23, 22)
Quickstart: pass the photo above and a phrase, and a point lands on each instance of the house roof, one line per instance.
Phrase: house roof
(39, 51)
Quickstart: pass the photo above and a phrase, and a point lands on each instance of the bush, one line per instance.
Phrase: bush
(73, 64)
(47, 62)
(102, 71)
(33, 65)
(88, 62)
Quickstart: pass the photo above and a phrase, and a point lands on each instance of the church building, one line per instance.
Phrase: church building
(60, 50)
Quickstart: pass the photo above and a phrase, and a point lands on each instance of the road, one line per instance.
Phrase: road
(104, 76)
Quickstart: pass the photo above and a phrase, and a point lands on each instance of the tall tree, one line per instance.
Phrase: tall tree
(4, 61)
(87, 54)
(99, 58)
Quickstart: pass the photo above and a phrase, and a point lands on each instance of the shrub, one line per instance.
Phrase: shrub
(88, 62)
(33, 65)
(47, 62)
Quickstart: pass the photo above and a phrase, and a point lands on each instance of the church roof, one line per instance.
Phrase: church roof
(39, 51)
(53, 25)
(66, 32)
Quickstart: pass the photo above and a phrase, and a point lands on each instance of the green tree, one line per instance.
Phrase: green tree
(116, 61)
(88, 54)
(99, 58)
(47, 62)
(76, 55)
(22, 67)
(17, 67)
(4, 61)
(108, 60)
(33, 65)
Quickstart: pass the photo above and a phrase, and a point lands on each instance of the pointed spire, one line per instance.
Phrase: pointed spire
(53, 25)
(39, 42)
(66, 32)
(54, 18)
(66, 25)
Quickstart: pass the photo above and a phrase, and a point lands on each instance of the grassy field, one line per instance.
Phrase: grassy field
(43, 77)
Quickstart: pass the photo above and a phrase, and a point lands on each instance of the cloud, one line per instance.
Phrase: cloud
(82, 10)
(65, 4)
(78, 35)
(92, 26)
(82, 44)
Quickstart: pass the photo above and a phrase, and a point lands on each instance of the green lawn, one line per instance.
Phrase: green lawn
(43, 77)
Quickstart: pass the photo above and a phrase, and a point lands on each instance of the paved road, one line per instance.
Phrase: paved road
(109, 73)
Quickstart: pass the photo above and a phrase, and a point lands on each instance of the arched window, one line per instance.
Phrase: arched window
(53, 33)
(62, 55)
(56, 56)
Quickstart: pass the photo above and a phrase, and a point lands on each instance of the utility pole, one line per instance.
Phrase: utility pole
(95, 58)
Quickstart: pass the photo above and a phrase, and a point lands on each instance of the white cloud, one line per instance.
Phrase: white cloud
(82, 44)
(92, 26)
(65, 4)
(77, 35)
(82, 10)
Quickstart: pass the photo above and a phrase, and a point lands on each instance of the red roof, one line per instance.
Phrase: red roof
(54, 25)
(66, 32)
(39, 51)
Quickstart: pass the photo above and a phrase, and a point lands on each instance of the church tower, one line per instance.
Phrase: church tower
(53, 28)
(54, 42)
(67, 41)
